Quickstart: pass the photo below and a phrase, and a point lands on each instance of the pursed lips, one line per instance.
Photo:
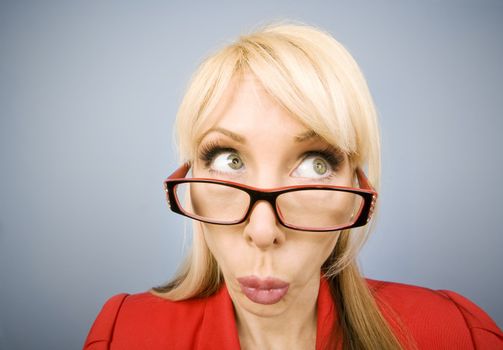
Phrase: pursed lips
(264, 291)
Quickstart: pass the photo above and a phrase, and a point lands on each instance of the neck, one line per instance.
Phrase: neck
(295, 328)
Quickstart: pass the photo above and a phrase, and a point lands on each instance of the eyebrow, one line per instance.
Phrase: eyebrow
(310, 134)
(302, 137)
(236, 137)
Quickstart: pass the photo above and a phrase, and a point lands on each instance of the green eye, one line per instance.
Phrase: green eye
(314, 167)
(228, 162)
(234, 161)
(320, 166)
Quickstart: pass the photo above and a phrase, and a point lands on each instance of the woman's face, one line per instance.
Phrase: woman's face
(252, 140)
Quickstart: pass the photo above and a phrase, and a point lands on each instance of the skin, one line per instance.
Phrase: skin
(270, 154)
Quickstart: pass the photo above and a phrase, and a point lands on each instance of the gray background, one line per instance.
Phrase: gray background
(88, 94)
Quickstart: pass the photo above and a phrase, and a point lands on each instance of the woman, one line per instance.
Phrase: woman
(274, 133)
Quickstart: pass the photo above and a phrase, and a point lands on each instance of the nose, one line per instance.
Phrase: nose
(262, 229)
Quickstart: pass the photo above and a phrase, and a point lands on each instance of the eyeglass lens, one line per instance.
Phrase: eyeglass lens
(313, 208)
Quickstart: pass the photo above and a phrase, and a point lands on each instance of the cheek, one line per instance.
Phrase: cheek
(317, 248)
(223, 243)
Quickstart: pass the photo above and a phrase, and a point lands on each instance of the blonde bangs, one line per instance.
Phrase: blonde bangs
(297, 83)
(306, 71)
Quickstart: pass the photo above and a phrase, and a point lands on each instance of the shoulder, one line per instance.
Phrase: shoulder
(436, 317)
(125, 320)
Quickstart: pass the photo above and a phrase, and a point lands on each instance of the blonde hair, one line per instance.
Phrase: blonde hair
(314, 77)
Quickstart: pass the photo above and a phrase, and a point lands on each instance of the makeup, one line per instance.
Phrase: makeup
(266, 291)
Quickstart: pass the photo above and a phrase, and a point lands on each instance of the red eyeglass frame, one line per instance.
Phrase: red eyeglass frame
(366, 191)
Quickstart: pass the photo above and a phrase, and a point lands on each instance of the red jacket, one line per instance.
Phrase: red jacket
(435, 319)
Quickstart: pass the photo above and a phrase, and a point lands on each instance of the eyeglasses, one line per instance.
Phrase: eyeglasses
(318, 208)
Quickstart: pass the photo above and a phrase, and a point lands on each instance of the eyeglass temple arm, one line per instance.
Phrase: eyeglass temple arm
(181, 172)
(363, 181)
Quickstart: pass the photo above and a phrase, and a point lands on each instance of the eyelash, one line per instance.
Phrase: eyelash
(210, 150)
(330, 154)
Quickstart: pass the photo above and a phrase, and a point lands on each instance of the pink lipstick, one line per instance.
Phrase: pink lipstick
(265, 291)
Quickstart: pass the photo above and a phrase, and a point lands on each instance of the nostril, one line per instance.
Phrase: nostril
(275, 242)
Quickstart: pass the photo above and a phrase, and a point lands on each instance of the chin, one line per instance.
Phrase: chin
(263, 310)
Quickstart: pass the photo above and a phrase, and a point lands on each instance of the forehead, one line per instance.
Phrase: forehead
(248, 109)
